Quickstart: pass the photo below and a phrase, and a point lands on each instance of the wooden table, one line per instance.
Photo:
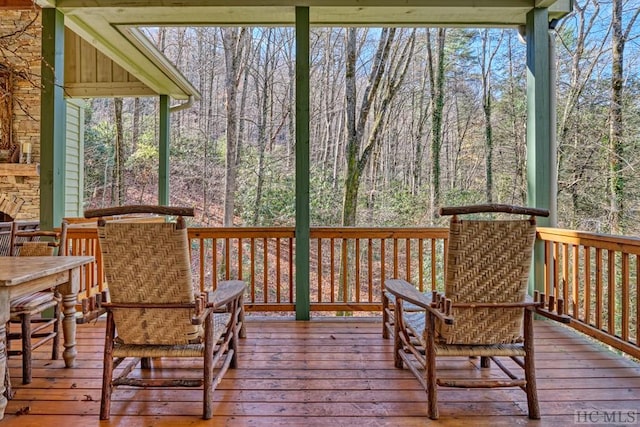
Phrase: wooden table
(25, 275)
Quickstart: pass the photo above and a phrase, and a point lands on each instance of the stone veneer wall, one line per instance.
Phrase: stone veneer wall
(24, 56)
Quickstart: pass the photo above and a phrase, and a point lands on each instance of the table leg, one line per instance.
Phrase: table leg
(69, 300)
(69, 328)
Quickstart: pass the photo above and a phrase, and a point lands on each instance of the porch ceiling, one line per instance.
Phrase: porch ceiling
(108, 24)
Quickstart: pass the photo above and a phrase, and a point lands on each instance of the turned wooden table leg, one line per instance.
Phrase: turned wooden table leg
(69, 299)
(69, 328)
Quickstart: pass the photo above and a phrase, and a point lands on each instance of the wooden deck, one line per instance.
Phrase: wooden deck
(334, 372)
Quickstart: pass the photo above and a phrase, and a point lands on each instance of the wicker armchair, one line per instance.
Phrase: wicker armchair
(484, 311)
(35, 330)
(153, 309)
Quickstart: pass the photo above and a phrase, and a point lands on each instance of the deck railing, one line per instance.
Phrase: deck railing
(347, 265)
(597, 275)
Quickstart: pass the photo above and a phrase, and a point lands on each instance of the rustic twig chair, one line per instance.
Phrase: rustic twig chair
(484, 311)
(35, 330)
(154, 311)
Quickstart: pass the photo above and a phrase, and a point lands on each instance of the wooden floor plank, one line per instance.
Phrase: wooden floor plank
(326, 372)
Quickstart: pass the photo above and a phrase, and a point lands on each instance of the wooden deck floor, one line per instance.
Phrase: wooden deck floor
(327, 373)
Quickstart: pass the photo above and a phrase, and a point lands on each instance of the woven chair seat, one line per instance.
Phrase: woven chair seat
(220, 322)
(407, 306)
(415, 322)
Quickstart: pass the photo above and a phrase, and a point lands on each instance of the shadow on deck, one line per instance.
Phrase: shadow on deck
(330, 372)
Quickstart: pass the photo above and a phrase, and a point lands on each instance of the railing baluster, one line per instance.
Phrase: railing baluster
(547, 265)
(598, 288)
(265, 270)
(370, 267)
(611, 292)
(434, 263)
(202, 263)
(407, 259)
(320, 264)
(382, 261)
(239, 258)
(332, 272)
(587, 285)
(575, 283)
(637, 300)
(556, 272)
(625, 298)
(395, 257)
(291, 261)
(345, 274)
(565, 272)
(253, 270)
(227, 258)
(421, 264)
(278, 281)
(357, 265)
(214, 264)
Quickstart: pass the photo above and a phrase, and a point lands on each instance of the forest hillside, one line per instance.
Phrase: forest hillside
(403, 120)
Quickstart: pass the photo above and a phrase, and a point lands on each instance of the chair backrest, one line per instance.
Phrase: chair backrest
(31, 241)
(147, 263)
(488, 261)
(5, 237)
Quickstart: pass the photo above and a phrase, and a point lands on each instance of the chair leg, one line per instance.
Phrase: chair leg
(57, 328)
(145, 363)
(385, 315)
(107, 370)
(397, 340)
(530, 368)
(25, 321)
(207, 398)
(430, 368)
(485, 362)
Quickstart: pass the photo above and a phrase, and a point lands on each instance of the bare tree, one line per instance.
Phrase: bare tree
(616, 142)
(233, 42)
(359, 149)
(436, 81)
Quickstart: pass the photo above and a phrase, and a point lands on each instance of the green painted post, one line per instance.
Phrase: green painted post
(52, 120)
(540, 166)
(163, 154)
(302, 164)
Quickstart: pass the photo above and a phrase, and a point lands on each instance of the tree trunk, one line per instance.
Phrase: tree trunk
(232, 38)
(262, 88)
(118, 176)
(616, 143)
(436, 78)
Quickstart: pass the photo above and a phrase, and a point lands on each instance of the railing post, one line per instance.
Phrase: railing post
(302, 164)
(539, 150)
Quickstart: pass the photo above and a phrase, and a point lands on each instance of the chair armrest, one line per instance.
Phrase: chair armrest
(226, 292)
(551, 308)
(403, 290)
(199, 319)
(406, 291)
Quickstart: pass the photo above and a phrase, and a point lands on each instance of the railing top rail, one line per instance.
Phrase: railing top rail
(380, 232)
(596, 240)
